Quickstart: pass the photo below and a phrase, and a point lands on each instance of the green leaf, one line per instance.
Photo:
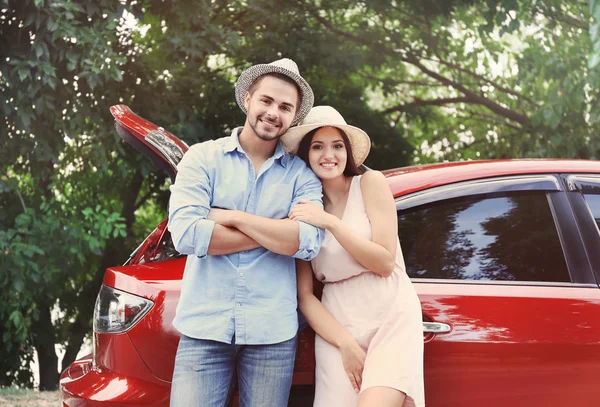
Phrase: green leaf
(92, 81)
(22, 220)
(52, 24)
(36, 249)
(594, 60)
(595, 9)
(595, 32)
(39, 51)
(72, 56)
(38, 21)
(29, 20)
(23, 73)
(18, 284)
(556, 139)
(105, 229)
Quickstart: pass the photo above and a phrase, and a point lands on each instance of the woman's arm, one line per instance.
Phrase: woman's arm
(328, 328)
(379, 253)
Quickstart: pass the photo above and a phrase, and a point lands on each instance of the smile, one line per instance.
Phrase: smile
(268, 124)
(328, 165)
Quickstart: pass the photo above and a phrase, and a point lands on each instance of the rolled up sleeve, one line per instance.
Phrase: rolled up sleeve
(310, 237)
(191, 197)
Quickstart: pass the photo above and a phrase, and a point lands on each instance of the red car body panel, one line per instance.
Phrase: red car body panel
(140, 127)
(161, 283)
(510, 343)
(540, 343)
(119, 377)
(407, 180)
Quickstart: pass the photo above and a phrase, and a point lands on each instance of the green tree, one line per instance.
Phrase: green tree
(500, 78)
(55, 154)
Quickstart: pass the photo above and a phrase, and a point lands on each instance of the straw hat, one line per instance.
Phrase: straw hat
(285, 67)
(327, 116)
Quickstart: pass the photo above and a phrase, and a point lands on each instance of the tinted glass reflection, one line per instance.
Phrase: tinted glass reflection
(593, 201)
(510, 238)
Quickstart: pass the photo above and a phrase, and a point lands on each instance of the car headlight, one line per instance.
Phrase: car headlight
(117, 311)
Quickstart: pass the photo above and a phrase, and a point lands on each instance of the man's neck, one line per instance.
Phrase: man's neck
(255, 147)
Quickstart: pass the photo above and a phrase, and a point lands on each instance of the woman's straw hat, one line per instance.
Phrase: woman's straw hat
(327, 116)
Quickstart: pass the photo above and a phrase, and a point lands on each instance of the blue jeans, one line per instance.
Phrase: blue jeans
(206, 372)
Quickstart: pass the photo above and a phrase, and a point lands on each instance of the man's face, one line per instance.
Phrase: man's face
(271, 107)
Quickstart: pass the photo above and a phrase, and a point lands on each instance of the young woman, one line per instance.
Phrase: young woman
(369, 343)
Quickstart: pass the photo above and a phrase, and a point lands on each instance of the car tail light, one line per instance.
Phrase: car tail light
(117, 311)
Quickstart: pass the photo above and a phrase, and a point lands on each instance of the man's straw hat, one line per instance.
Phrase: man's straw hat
(285, 67)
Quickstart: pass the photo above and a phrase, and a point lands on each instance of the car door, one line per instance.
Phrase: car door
(510, 303)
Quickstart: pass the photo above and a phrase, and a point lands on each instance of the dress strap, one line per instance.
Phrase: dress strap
(355, 193)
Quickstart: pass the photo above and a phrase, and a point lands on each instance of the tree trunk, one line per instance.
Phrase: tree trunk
(43, 341)
(77, 333)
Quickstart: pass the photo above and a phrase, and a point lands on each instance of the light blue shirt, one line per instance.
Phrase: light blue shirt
(250, 294)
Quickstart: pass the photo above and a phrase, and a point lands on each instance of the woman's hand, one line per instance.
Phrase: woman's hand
(353, 358)
(223, 217)
(310, 212)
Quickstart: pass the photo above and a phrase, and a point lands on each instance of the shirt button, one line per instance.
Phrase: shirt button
(239, 305)
(241, 274)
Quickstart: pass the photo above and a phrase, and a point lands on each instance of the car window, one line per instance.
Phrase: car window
(511, 237)
(593, 202)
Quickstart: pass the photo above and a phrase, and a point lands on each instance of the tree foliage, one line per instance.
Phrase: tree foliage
(59, 212)
(502, 78)
(428, 80)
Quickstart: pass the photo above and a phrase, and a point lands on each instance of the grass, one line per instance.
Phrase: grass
(14, 397)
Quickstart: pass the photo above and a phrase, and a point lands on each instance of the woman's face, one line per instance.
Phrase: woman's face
(327, 153)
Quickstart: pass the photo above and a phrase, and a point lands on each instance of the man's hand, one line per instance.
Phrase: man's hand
(223, 217)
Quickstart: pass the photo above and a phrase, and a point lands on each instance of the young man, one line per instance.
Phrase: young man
(228, 212)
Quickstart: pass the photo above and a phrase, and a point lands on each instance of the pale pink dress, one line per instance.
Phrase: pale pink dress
(383, 315)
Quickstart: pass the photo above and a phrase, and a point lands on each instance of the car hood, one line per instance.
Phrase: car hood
(163, 148)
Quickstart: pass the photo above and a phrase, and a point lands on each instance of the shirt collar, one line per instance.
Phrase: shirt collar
(233, 143)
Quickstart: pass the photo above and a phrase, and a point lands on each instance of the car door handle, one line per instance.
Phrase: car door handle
(436, 328)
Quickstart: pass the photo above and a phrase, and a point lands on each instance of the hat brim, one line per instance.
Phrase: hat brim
(251, 74)
(360, 142)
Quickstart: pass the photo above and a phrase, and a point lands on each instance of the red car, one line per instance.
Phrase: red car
(505, 257)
